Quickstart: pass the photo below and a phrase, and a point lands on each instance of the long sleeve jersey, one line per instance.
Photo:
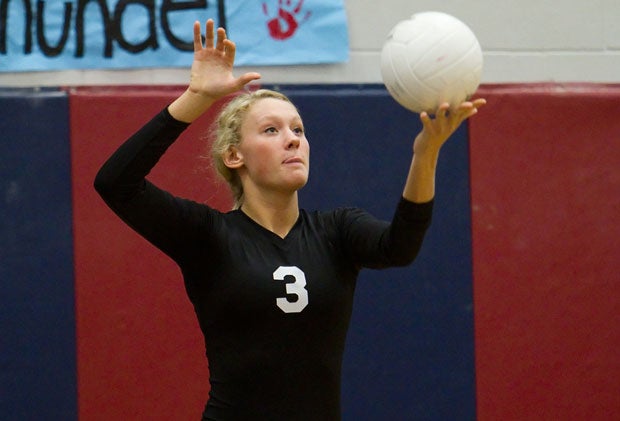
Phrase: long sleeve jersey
(274, 311)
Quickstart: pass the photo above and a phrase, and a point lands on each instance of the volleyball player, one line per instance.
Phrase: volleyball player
(271, 284)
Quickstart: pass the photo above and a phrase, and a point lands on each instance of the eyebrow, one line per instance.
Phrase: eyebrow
(269, 117)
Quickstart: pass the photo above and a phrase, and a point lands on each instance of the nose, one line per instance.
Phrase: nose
(293, 140)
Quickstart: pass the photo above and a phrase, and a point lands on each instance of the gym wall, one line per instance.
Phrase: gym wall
(509, 312)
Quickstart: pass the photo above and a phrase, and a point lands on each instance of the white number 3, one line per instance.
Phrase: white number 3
(295, 288)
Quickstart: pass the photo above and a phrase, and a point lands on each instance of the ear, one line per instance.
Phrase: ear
(233, 158)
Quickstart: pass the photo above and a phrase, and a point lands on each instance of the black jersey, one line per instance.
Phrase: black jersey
(274, 311)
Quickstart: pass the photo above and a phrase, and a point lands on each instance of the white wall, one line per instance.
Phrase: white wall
(523, 41)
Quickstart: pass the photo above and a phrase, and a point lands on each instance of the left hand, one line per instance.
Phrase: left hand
(436, 131)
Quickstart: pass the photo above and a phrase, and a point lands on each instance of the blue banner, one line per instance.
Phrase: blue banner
(115, 34)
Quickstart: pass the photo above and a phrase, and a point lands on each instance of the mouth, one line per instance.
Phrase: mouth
(293, 160)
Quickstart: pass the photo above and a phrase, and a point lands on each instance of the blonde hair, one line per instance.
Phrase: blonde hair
(228, 134)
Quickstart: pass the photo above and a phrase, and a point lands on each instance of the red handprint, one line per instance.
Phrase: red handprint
(286, 23)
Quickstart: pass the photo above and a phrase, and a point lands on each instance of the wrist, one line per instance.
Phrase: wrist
(190, 105)
(199, 96)
(426, 157)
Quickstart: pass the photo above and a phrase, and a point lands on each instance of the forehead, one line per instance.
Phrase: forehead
(270, 108)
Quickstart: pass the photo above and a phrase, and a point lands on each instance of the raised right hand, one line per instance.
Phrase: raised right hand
(212, 69)
(211, 75)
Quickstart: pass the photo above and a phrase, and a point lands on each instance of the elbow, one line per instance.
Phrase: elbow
(403, 259)
(116, 190)
(107, 186)
(405, 246)
(101, 184)
(406, 254)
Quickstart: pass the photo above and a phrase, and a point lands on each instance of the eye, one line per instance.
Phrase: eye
(299, 130)
(271, 130)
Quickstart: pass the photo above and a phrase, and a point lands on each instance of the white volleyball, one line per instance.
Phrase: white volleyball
(429, 59)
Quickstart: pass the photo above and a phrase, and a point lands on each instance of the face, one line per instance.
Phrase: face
(274, 152)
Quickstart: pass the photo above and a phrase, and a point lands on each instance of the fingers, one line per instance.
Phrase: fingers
(214, 39)
(443, 110)
(197, 38)
(209, 37)
(221, 37)
(230, 48)
(470, 108)
(219, 42)
(462, 111)
(447, 119)
(480, 102)
(475, 104)
(247, 78)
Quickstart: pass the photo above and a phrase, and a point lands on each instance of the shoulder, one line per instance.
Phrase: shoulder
(336, 221)
(339, 214)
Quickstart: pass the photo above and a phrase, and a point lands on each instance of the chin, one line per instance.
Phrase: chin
(298, 184)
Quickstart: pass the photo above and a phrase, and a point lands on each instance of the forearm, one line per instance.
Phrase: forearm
(420, 183)
(190, 105)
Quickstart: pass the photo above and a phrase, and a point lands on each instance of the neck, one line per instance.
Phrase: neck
(276, 214)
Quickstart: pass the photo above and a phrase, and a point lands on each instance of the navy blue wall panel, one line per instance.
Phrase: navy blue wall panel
(410, 350)
(37, 325)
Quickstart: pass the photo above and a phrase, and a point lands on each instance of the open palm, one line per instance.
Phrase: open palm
(212, 68)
